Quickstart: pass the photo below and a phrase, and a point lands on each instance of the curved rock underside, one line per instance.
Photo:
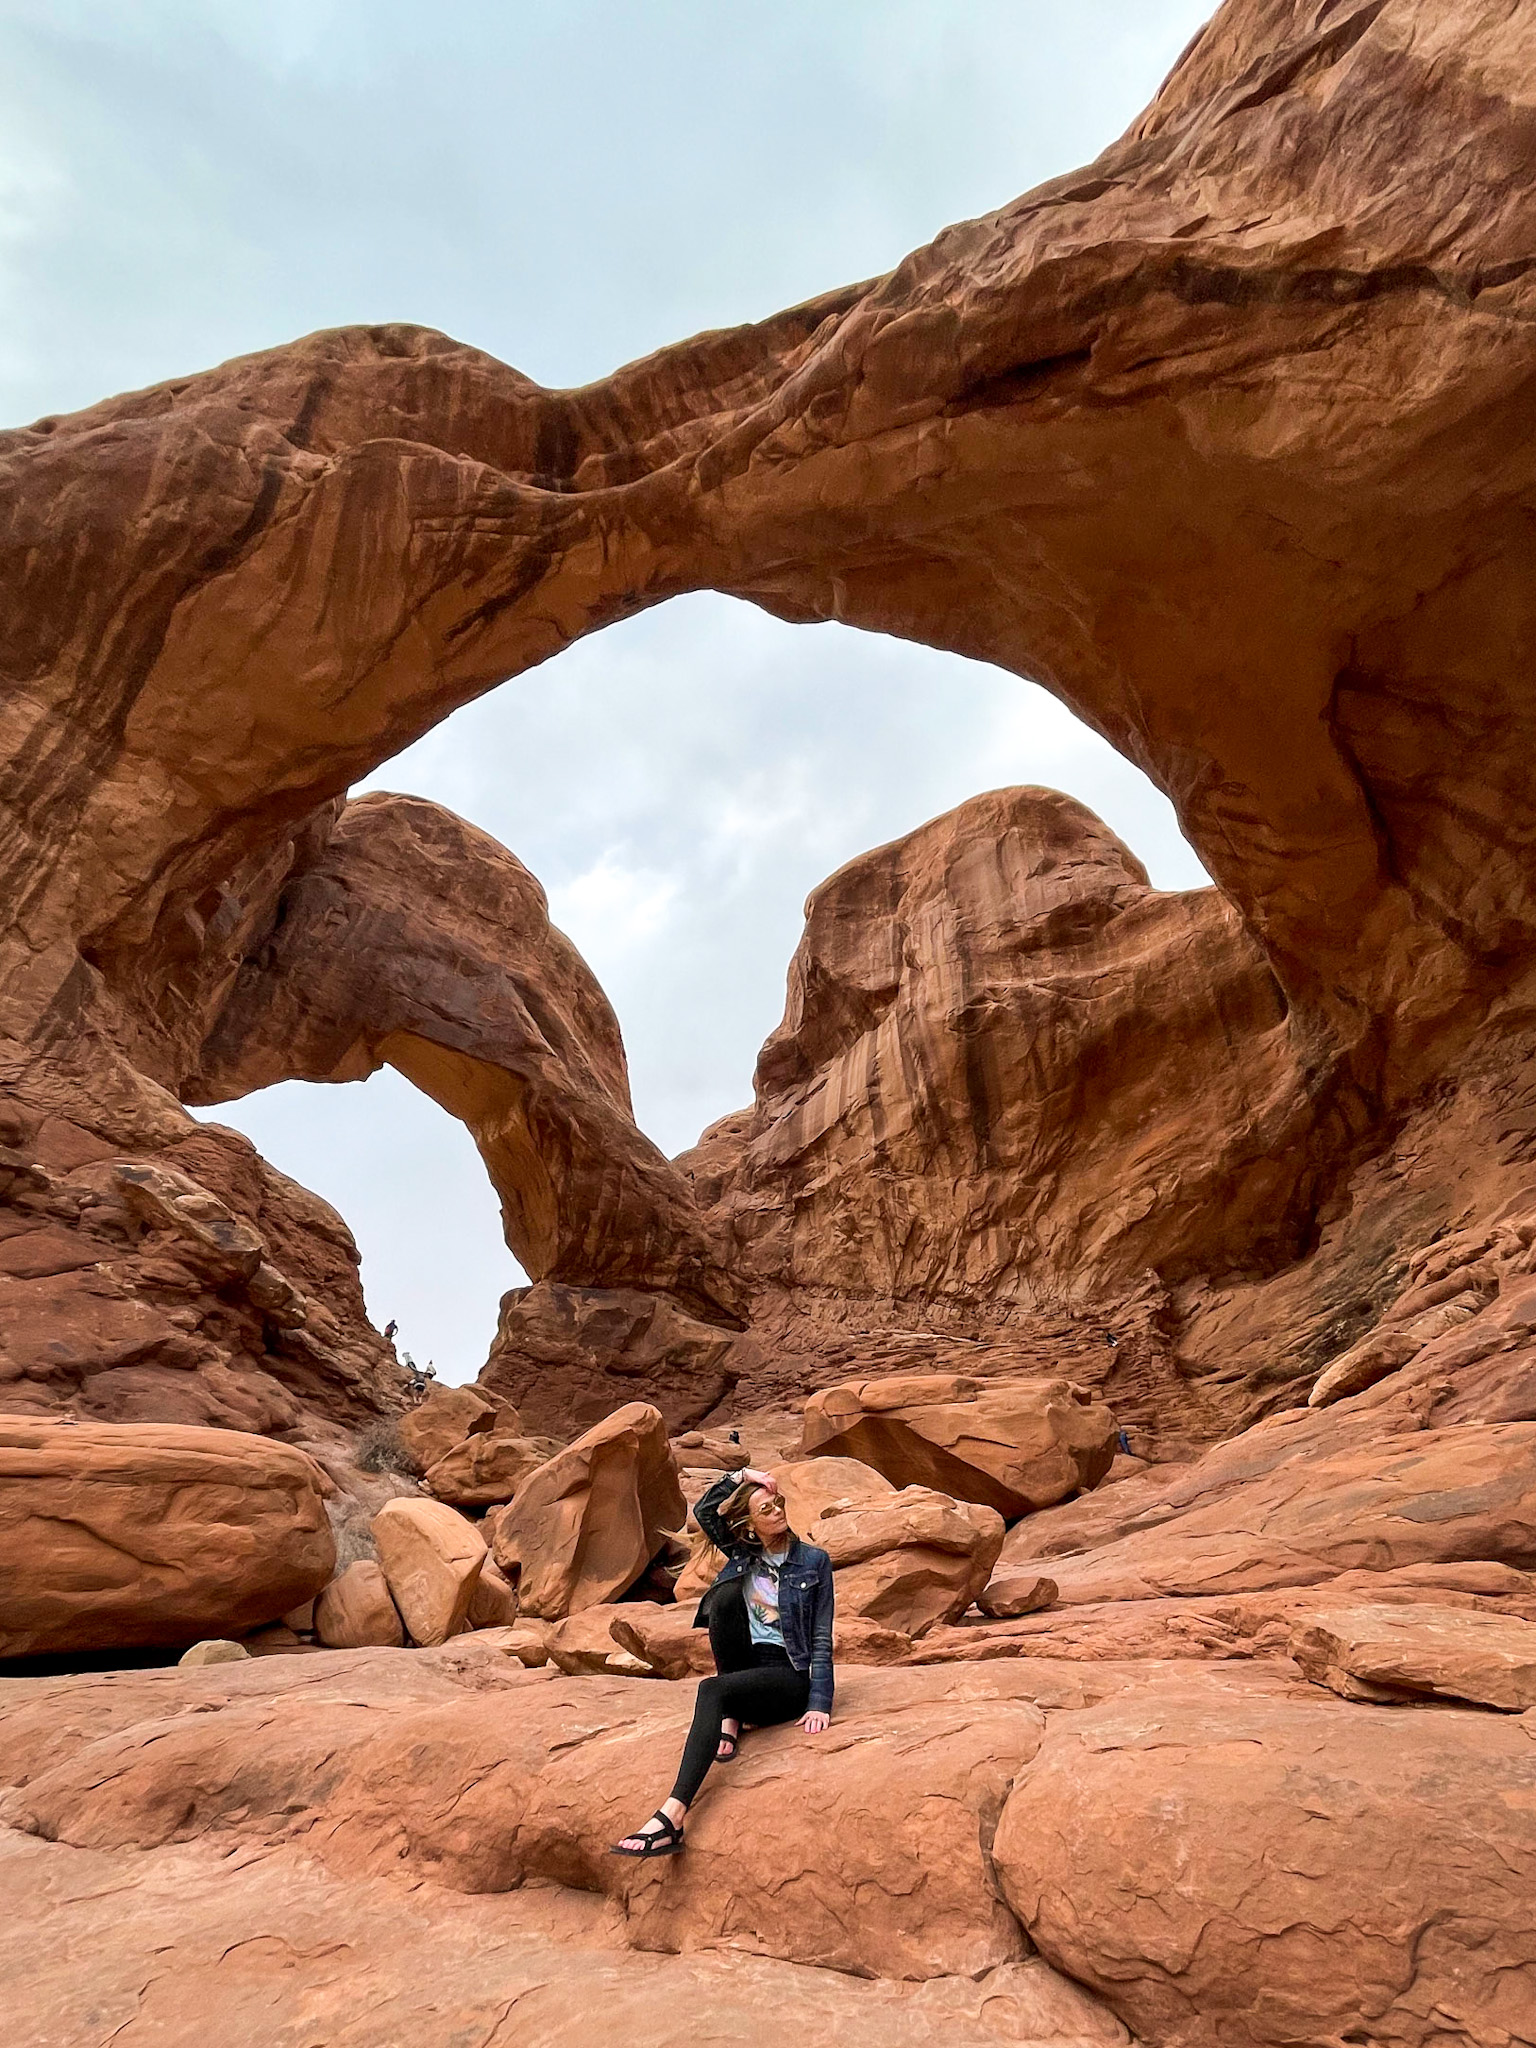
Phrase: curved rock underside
(403, 935)
(1222, 439)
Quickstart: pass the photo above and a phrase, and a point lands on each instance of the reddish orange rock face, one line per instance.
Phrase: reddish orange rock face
(1007, 1063)
(583, 1527)
(1297, 1520)
(153, 1534)
(1421, 1651)
(1237, 1871)
(431, 1558)
(1011, 1446)
(356, 1612)
(1224, 440)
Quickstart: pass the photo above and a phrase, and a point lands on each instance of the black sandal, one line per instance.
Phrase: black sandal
(667, 1840)
(733, 1752)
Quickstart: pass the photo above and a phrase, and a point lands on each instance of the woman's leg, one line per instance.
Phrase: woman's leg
(730, 1642)
(765, 1694)
(730, 1636)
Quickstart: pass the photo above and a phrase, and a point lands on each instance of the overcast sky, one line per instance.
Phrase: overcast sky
(569, 184)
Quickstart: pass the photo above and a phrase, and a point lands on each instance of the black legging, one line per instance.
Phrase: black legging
(756, 1683)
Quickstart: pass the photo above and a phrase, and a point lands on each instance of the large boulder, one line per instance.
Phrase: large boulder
(813, 1487)
(1008, 1595)
(356, 1610)
(494, 1602)
(1386, 1653)
(446, 1416)
(583, 1527)
(431, 1558)
(568, 1355)
(589, 1641)
(1012, 1445)
(1234, 1866)
(115, 1535)
(903, 1561)
(485, 1471)
(912, 1560)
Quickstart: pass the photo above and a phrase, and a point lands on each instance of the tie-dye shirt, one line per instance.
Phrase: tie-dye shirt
(763, 1599)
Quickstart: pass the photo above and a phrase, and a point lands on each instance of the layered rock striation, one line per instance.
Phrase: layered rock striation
(1011, 1071)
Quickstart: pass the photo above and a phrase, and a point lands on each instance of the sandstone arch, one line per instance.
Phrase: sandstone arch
(404, 936)
(1223, 439)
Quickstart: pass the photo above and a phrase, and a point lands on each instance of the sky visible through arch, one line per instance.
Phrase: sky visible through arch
(569, 184)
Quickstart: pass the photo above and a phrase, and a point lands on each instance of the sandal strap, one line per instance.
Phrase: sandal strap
(674, 1832)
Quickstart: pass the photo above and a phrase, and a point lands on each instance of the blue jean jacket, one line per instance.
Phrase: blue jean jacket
(805, 1591)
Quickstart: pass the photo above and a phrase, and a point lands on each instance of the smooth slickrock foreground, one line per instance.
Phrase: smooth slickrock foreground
(286, 1955)
(382, 1765)
(1241, 1871)
(1382, 1874)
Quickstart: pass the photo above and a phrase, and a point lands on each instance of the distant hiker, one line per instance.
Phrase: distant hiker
(769, 1614)
(389, 1332)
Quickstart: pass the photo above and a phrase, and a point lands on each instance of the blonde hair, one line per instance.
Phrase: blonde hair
(736, 1515)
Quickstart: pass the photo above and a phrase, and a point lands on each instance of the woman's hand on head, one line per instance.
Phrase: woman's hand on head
(765, 1480)
(814, 1723)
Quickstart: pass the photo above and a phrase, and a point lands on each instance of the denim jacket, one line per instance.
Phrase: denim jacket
(805, 1591)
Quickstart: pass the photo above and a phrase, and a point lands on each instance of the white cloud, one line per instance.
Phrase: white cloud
(611, 909)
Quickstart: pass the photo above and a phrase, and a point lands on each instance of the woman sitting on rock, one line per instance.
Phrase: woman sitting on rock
(770, 1627)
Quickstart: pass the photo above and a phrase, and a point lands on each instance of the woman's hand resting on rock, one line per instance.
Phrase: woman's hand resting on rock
(814, 1723)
